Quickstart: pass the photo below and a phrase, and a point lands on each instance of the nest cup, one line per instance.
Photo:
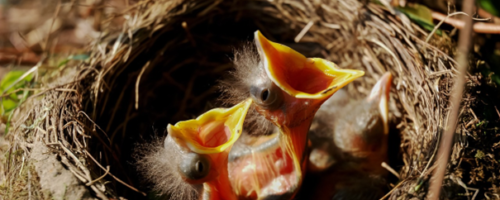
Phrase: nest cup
(164, 65)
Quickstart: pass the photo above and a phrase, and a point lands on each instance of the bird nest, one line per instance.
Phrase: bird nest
(163, 67)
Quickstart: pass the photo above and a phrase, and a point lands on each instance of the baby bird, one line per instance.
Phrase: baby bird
(287, 89)
(359, 134)
(193, 162)
(347, 150)
(352, 170)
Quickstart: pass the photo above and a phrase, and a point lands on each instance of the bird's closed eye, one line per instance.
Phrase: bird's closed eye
(194, 166)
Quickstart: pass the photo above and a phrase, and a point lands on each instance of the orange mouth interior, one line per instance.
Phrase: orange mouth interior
(301, 77)
(308, 79)
(213, 134)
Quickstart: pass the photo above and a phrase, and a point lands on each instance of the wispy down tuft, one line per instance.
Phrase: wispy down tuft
(157, 165)
(236, 86)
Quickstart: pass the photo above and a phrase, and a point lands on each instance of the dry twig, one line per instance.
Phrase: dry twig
(456, 97)
(479, 27)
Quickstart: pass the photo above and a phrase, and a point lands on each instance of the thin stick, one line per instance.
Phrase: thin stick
(390, 192)
(66, 90)
(33, 69)
(440, 23)
(480, 27)
(388, 51)
(485, 14)
(116, 178)
(445, 19)
(29, 184)
(464, 44)
(95, 124)
(137, 85)
(17, 90)
(497, 111)
(433, 154)
(390, 169)
(22, 166)
(98, 179)
(58, 9)
(304, 31)
(476, 191)
(188, 33)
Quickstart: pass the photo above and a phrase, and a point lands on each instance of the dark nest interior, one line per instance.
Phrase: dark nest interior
(163, 67)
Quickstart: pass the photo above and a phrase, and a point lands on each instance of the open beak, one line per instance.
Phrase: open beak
(380, 93)
(305, 83)
(301, 77)
(212, 132)
(212, 135)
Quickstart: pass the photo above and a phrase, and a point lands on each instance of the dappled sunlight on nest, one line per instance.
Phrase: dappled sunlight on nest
(163, 66)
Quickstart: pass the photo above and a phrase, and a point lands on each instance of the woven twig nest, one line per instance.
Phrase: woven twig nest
(163, 66)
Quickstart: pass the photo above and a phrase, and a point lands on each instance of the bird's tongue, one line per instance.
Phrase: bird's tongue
(213, 134)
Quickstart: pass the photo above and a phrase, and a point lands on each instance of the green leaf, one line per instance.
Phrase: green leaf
(8, 104)
(491, 6)
(481, 123)
(421, 15)
(63, 62)
(11, 82)
(420, 182)
(10, 78)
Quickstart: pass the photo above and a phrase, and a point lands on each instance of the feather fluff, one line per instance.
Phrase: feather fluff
(158, 163)
(236, 86)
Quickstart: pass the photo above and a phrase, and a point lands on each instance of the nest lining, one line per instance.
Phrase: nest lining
(163, 66)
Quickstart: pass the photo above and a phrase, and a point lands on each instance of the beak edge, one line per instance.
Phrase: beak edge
(234, 118)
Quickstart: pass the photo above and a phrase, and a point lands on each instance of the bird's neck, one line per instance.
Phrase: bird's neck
(297, 137)
(220, 187)
(295, 140)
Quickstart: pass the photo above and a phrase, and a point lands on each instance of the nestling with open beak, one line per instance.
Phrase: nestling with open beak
(193, 163)
(287, 89)
(356, 171)
(349, 143)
